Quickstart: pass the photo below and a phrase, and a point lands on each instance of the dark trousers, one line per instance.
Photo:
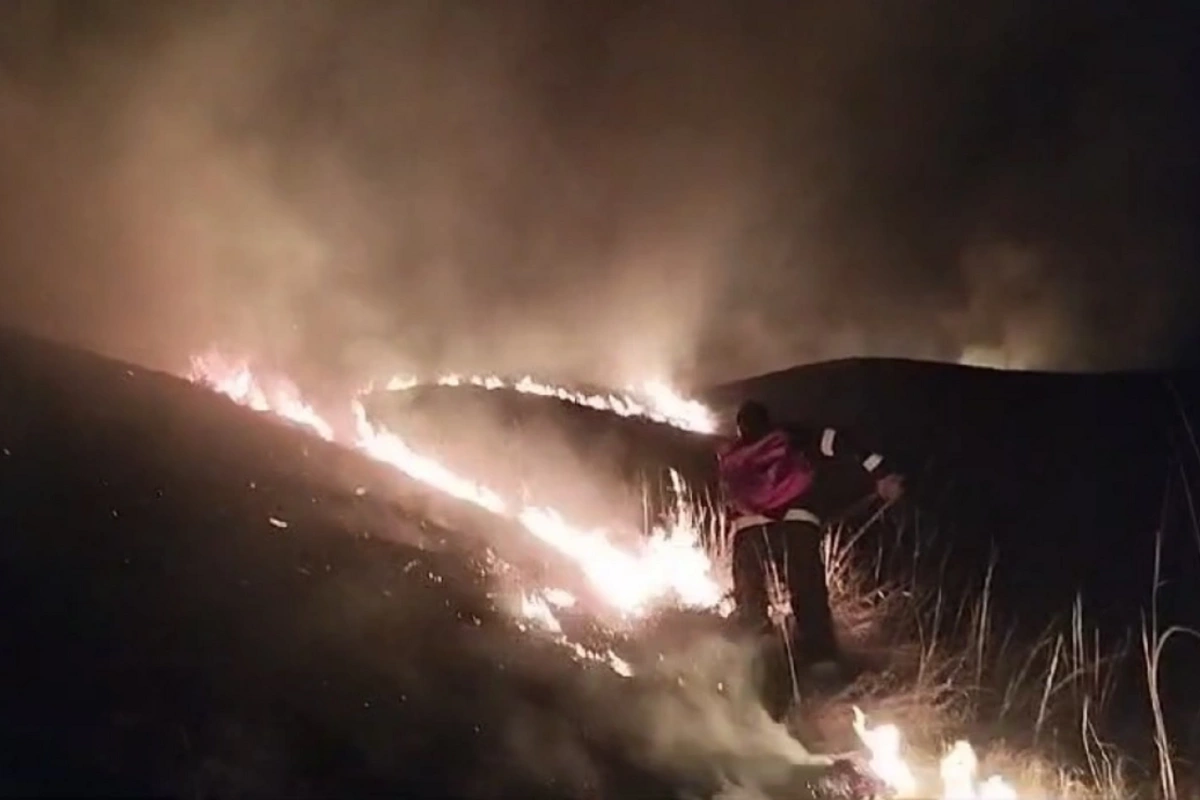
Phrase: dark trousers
(794, 548)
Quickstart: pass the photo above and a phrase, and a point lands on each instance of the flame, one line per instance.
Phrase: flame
(383, 445)
(886, 762)
(537, 609)
(238, 382)
(653, 400)
(559, 598)
(671, 565)
(957, 770)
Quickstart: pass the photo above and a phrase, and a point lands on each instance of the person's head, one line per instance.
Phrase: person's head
(753, 420)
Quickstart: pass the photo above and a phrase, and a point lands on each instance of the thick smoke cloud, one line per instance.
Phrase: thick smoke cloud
(600, 192)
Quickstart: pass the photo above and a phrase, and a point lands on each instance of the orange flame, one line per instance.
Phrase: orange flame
(237, 381)
(957, 769)
(653, 400)
(670, 566)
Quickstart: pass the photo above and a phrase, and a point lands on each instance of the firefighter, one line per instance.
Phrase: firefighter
(776, 505)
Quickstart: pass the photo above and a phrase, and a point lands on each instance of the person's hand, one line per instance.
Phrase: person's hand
(890, 487)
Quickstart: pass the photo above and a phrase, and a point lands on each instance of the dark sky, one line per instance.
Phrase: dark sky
(603, 190)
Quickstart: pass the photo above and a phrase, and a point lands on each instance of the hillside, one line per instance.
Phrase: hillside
(201, 601)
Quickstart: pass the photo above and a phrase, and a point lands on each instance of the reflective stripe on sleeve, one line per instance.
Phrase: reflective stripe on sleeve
(827, 439)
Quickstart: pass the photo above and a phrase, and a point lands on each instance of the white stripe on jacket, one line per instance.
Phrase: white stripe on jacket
(792, 515)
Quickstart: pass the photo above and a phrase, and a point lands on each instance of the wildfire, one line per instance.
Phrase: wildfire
(235, 380)
(671, 564)
(653, 400)
(383, 445)
(957, 771)
(536, 609)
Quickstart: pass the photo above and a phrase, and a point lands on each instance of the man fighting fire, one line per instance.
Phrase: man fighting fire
(769, 477)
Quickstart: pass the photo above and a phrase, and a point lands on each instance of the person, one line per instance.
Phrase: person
(769, 476)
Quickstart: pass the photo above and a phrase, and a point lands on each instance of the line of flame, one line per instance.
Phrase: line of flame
(653, 400)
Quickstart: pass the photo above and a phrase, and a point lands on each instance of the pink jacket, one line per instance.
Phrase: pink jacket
(765, 477)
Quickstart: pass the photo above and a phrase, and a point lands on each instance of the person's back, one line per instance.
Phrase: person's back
(769, 479)
(762, 472)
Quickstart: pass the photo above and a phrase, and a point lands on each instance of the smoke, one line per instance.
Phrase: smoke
(714, 718)
(693, 719)
(701, 190)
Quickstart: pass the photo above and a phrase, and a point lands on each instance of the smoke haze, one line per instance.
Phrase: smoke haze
(600, 192)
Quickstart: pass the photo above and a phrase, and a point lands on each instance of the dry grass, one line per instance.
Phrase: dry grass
(941, 666)
(943, 669)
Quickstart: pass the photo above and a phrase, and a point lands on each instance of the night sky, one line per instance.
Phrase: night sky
(603, 191)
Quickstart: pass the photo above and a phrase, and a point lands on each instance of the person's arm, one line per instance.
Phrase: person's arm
(841, 445)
